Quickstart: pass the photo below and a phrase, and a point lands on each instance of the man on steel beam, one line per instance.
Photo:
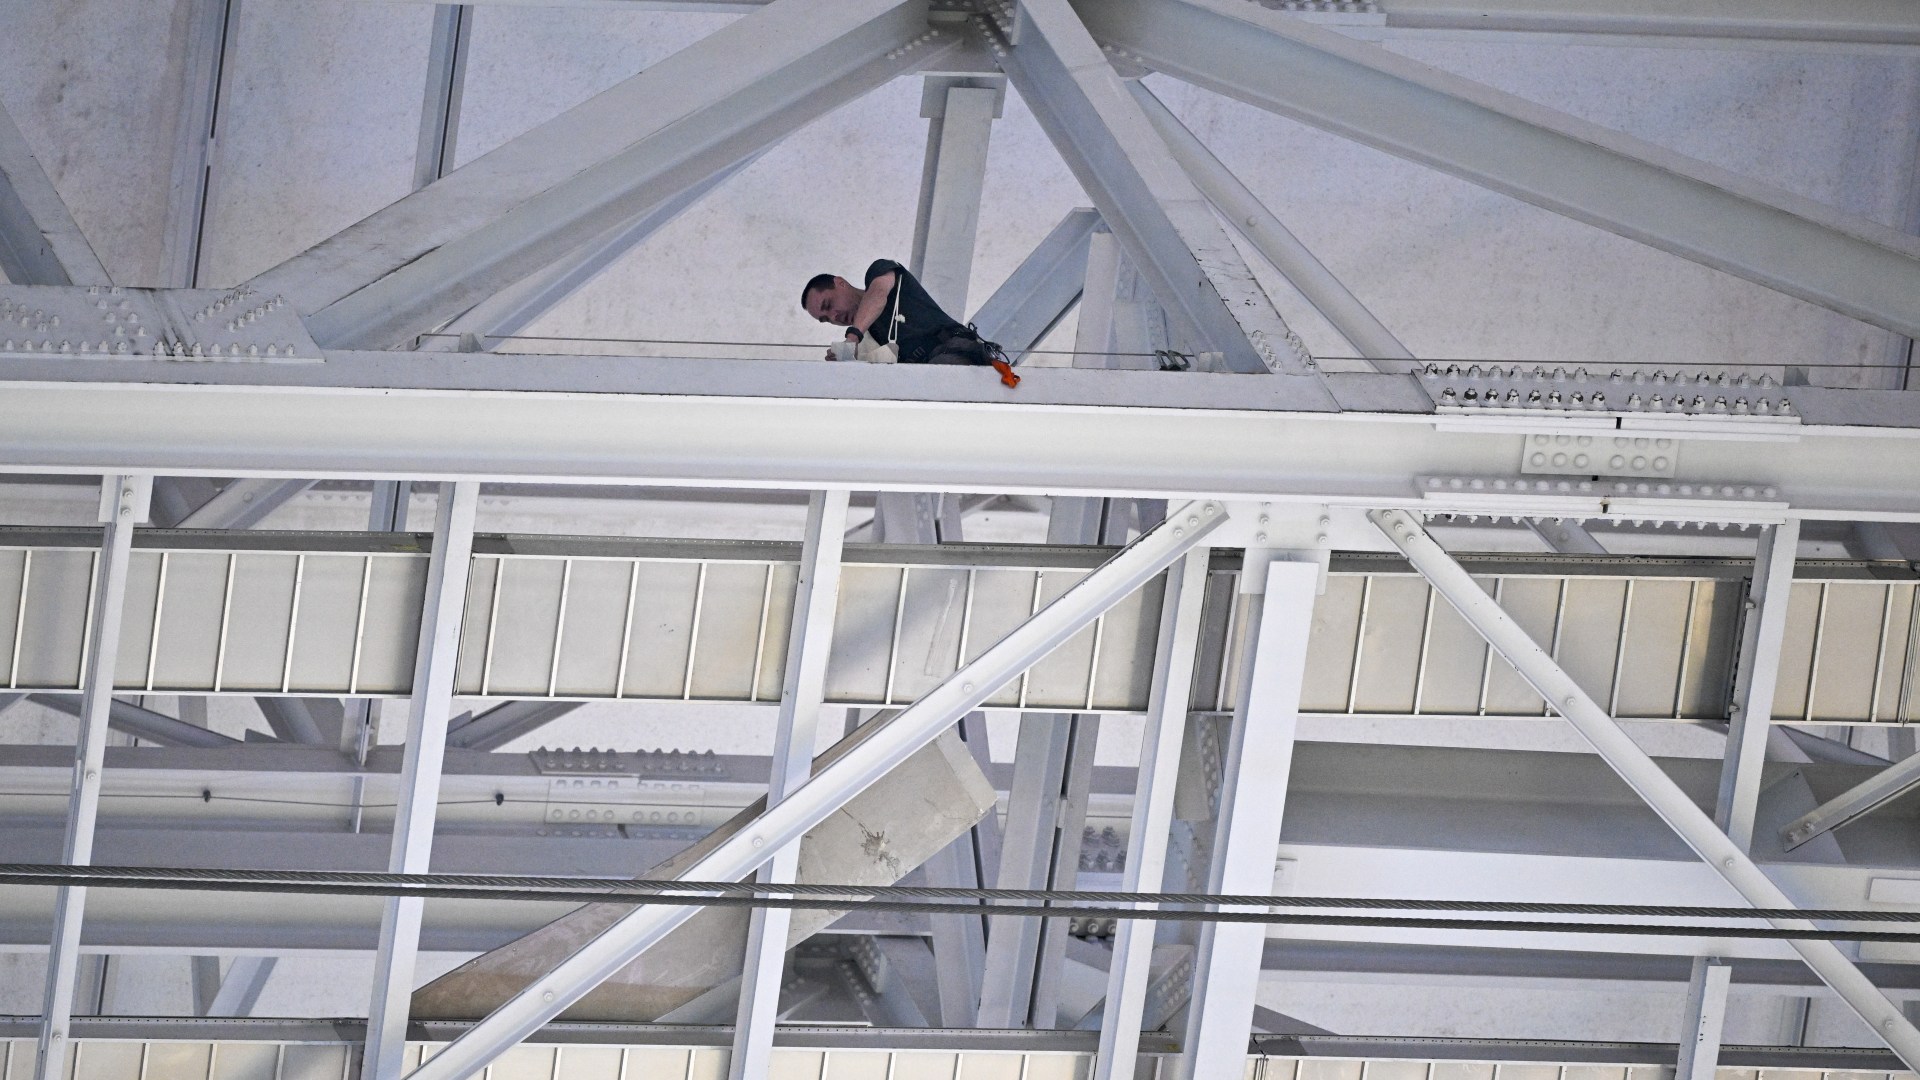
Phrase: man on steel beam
(893, 320)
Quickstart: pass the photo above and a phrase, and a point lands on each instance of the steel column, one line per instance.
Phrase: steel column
(446, 84)
(1152, 822)
(1842, 261)
(956, 170)
(1620, 752)
(210, 30)
(816, 595)
(1160, 219)
(828, 789)
(123, 504)
(427, 716)
(1738, 800)
(1273, 240)
(1253, 797)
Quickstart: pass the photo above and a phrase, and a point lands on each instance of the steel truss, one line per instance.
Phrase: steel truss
(1284, 457)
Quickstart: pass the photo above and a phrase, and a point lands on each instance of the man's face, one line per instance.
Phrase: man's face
(835, 305)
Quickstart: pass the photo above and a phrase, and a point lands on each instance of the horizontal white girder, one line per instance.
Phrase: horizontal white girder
(788, 424)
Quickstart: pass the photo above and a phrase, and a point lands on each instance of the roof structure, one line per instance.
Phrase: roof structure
(1454, 542)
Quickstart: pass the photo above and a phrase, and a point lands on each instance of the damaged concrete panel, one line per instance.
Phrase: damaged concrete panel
(878, 837)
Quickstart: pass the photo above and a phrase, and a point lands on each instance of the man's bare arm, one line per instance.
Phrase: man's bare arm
(875, 301)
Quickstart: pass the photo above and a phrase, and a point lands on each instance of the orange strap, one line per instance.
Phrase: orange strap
(1007, 377)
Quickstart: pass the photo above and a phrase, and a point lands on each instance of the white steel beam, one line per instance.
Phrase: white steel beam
(748, 423)
(1160, 741)
(506, 722)
(208, 32)
(39, 242)
(427, 713)
(1042, 289)
(240, 987)
(291, 719)
(1666, 799)
(1164, 224)
(243, 503)
(123, 504)
(426, 258)
(1854, 803)
(828, 789)
(157, 728)
(1565, 536)
(944, 231)
(816, 593)
(1738, 799)
(1253, 798)
(1756, 674)
(1272, 239)
(446, 86)
(1625, 185)
(1751, 22)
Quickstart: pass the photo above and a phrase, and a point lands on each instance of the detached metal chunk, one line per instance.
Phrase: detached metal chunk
(876, 839)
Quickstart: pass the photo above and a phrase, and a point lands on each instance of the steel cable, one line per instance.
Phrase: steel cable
(1187, 907)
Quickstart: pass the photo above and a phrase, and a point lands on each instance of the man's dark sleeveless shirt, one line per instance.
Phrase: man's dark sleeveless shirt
(925, 326)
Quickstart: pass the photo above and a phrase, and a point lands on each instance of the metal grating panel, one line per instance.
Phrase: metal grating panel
(338, 615)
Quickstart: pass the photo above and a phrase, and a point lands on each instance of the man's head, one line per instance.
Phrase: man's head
(830, 299)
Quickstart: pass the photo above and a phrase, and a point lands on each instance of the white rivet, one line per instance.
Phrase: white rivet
(548, 996)
(759, 841)
(966, 688)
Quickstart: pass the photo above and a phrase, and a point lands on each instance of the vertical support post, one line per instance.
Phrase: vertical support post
(124, 502)
(210, 33)
(386, 512)
(816, 596)
(960, 118)
(446, 82)
(1253, 797)
(960, 123)
(1093, 335)
(428, 711)
(1755, 676)
(1180, 610)
(1654, 786)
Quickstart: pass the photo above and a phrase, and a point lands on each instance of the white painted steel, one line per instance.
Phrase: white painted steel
(1729, 859)
(210, 30)
(123, 504)
(1854, 803)
(243, 503)
(428, 257)
(1253, 796)
(1756, 675)
(1163, 223)
(802, 693)
(1882, 23)
(957, 159)
(1272, 239)
(427, 714)
(750, 423)
(446, 85)
(240, 988)
(1042, 289)
(1628, 186)
(826, 790)
(39, 242)
(1152, 820)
